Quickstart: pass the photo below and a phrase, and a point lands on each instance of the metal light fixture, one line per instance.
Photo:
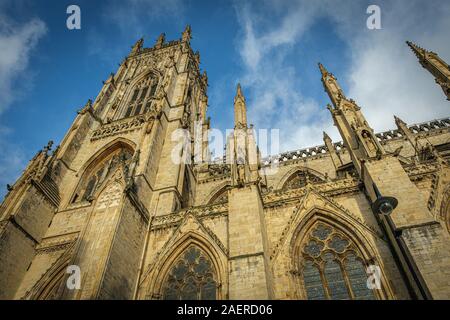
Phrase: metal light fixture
(383, 205)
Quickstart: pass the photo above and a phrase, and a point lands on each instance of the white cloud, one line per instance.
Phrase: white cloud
(269, 81)
(384, 77)
(17, 42)
(16, 45)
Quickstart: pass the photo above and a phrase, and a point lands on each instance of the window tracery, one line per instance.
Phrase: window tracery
(95, 176)
(191, 277)
(300, 179)
(332, 267)
(142, 97)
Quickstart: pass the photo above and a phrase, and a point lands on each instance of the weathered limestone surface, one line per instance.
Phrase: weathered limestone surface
(112, 200)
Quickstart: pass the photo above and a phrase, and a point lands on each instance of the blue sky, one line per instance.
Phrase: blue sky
(47, 72)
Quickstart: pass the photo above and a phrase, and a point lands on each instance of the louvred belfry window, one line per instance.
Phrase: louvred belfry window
(142, 97)
(332, 267)
(191, 277)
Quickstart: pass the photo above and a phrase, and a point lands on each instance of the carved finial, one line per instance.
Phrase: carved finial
(88, 104)
(399, 121)
(86, 107)
(330, 108)
(418, 51)
(137, 46)
(9, 188)
(326, 137)
(186, 35)
(49, 145)
(205, 78)
(160, 41)
(240, 109)
(323, 70)
(197, 57)
(134, 163)
(111, 78)
(239, 94)
(436, 66)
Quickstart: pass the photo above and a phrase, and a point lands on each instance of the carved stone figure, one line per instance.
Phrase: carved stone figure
(115, 201)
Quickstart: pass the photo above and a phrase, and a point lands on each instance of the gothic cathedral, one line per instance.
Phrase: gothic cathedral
(108, 214)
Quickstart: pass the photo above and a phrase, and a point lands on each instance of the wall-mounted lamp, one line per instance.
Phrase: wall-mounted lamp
(383, 205)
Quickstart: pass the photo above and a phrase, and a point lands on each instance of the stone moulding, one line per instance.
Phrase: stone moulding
(174, 219)
(119, 127)
(56, 243)
(333, 188)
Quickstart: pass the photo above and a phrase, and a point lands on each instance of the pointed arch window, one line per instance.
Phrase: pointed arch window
(191, 277)
(142, 97)
(332, 267)
(97, 173)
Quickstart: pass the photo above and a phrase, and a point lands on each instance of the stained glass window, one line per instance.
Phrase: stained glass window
(332, 267)
(314, 287)
(335, 280)
(191, 278)
(357, 277)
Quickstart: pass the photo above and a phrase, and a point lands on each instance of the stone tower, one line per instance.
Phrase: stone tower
(96, 194)
(130, 205)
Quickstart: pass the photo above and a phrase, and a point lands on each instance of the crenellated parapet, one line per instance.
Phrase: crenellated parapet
(425, 128)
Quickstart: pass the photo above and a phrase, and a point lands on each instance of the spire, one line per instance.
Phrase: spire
(323, 70)
(337, 162)
(241, 145)
(407, 133)
(418, 51)
(347, 116)
(435, 65)
(186, 35)
(399, 121)
(239, 92)
(240, 109)
(331, 86)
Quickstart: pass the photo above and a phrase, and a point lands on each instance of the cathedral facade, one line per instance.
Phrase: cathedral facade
(108, 214)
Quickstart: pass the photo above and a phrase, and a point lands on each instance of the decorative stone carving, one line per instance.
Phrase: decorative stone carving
(119, 127)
